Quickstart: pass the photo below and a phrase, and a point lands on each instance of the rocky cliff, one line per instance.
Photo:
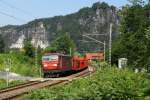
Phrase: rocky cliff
(93, 21)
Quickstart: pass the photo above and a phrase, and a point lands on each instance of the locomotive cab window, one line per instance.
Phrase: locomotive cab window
(50, 58)
(45, 58)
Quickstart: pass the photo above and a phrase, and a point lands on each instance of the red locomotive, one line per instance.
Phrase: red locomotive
(55, 64)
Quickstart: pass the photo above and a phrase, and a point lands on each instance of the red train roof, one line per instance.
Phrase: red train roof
(59, 54)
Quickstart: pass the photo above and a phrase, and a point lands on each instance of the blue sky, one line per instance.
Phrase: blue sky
(31, 9)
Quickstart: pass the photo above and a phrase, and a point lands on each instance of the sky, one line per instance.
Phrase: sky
(17, 12)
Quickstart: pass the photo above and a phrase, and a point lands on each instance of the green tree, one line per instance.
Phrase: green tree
(2, 45)
(136, 2)
(133, 42)
(63, 44)
(28, 48)
(102, 5)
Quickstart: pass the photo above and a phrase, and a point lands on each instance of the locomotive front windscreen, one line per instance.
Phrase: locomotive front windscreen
(50, 58)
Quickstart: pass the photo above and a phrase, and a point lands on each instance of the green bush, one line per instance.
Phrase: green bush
(2, 83)
(106, 84)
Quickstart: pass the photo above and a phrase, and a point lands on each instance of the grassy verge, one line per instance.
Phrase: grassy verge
(20, 64)
(3, 83)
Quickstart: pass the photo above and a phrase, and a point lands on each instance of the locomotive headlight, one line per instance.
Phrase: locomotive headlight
(45, 65)
(54, 64)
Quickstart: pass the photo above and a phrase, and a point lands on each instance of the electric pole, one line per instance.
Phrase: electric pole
(110, 42)
(36, 49)
(104, 51)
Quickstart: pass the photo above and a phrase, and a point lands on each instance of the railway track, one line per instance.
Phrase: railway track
(17, 91)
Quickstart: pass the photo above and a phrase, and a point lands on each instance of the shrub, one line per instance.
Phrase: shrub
(106, 84)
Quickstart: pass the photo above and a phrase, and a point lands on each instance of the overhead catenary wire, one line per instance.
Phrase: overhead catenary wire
(18, 9)
(8, 15)
(22, 20)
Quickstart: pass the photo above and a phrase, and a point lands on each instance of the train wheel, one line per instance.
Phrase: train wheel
(45, 75)
(57, 75)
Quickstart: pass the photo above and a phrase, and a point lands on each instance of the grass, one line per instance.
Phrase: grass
(3, 83)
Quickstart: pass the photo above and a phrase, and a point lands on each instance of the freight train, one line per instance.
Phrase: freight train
(56, 64)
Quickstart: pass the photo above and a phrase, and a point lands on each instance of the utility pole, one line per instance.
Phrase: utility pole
(42, 39)
(104, 51)
(70, 51)
(7, 69)
(7, 77)
(36, 58)
(110, 42)
(36, 50)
